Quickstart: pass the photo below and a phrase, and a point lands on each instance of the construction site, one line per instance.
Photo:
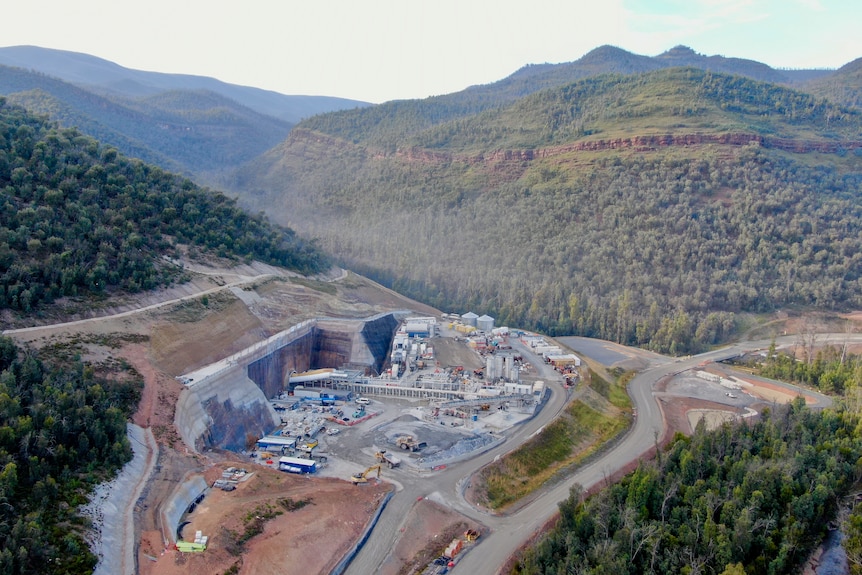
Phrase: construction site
(236, 427)
(439, 394)
(430, 410)
(266, 428)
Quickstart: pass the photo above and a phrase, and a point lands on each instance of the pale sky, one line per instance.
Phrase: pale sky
(379, 50)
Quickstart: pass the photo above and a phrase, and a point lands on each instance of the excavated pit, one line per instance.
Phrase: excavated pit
(226, 405)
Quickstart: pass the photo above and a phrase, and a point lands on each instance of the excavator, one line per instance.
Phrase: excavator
(358, 478)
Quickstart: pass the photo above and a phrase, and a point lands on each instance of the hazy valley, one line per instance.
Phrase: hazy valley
(673, 204)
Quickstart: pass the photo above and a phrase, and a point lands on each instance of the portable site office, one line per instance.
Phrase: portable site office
(275, 443)
(297, 465)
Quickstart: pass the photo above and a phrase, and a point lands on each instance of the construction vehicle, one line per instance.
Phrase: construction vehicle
(308, 446)
(387, 458)
(409, 442)
(358, 478)
(360, 412)
(471, 535)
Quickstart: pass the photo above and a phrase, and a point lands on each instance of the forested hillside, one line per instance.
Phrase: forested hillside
(844, 86)
(745, 499)
(79, 219)
(646, 209)
(62, 430)
(387, 125)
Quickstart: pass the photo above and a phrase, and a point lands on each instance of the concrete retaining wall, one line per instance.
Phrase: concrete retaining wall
(345, 562)
(174, 508)
(112, 507)
(220, 411)
(226, 403)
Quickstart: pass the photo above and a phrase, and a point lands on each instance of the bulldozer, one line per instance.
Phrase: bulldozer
(362, 477)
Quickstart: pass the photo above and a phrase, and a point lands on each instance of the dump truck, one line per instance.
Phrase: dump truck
(308, 446)
(387, 458)
(362, 477)
(409, 442)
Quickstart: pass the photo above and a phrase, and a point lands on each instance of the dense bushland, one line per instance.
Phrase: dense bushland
(742, 499)
(62, 430)
(495, 209)
(831, 369)
(78, 218)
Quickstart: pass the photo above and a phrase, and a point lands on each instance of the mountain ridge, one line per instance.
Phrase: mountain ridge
(648, 209)
(609, 106)
(110, 77)
(222, 133)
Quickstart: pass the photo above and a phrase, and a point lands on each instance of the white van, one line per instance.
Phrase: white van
(363, 400)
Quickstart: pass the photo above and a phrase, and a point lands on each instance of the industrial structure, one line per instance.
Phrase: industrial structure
(225, 402)
(297, 465)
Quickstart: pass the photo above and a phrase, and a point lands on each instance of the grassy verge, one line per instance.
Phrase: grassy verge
(615, 393)
(576, 434)
(324, 287)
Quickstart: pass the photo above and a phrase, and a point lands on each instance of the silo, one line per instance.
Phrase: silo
(485, 323)
(470, 318)
(509, 369)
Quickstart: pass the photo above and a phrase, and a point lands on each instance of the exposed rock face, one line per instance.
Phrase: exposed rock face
(222, 410)
(377, 335)
(640, 143)
(235, 425)
(230, 406)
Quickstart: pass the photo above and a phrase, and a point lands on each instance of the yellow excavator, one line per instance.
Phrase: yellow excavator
(358, 478)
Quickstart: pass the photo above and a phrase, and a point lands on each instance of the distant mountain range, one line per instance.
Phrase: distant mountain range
(205, 128)
(107, 78)
(647, 200)
(194, 125)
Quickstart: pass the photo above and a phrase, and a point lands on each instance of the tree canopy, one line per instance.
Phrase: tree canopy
(62, 430)
(648, 209)
(78, 218)
(751, 499)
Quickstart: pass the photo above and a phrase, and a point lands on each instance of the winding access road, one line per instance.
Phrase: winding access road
(509, 532)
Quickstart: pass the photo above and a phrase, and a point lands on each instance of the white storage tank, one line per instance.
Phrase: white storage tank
(485, 323)
(470, 318)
